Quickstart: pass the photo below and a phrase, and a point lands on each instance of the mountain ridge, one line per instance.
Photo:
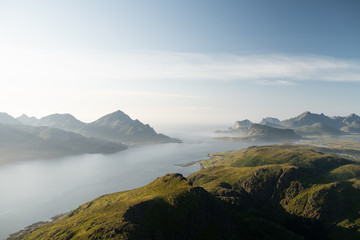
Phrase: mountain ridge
(116, 126)
(306, 124)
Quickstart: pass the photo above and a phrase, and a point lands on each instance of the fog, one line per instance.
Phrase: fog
(36, 190)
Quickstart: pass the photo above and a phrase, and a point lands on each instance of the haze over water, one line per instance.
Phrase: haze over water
(38, 190)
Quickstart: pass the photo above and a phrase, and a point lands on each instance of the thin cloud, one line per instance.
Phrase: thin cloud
(21, 65)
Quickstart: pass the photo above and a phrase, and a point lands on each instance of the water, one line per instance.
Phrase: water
(37, 190)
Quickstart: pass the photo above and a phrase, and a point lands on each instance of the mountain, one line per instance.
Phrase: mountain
(168, 208)
(259, 132)
(7, 119)
(271, 122)
(241, 125)
(349, 124)
(119, 127)
(65, 122)
(319, 129)
(21, 142)
(24, 119)
(352, 123)
(309, 123)
(316, 195)
(269, 192)
(307, 119)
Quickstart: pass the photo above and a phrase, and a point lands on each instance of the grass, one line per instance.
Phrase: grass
(269, 184)
(104, 215)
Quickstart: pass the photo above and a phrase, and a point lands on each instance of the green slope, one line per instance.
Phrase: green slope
(167, 208)
(269, 192)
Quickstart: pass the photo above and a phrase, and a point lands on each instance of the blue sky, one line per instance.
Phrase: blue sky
(180, 62)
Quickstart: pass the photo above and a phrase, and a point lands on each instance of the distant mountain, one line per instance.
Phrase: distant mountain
(260, 132)
(352, 123)
(319, 129)
(65, 122)
(7, 119)
(244, 124)
(21, 142)
(119, 127)
(116, 127)
(271, 122)
(24, 119)
(307, 119)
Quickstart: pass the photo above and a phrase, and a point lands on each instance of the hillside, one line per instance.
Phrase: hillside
(167, 208)
(20, 142)
(270, 192)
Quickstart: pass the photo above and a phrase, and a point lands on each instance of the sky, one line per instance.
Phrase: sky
(168, 62)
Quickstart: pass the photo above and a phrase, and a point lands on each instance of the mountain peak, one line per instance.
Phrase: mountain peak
(243, 124)
(64, 121)
(25, 119)
(116, 118)
(7, 119)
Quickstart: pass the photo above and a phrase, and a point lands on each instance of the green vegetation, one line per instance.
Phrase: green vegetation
(282, 191)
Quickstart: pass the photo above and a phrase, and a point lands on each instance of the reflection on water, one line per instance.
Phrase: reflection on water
(37, 190)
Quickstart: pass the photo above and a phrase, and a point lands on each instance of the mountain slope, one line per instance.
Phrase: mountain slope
(352, 123)
(167, 208)
(20, 142)
(270, 192)
(319, 129)
(308, 118)
(281, 183)
(119, 127)
(259, 132)
(7, 119)
(65, 122)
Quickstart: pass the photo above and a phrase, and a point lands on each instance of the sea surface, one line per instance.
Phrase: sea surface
(37, 190)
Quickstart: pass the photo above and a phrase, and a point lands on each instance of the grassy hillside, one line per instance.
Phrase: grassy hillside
(285, 181)
(167, 208)
(269, 192)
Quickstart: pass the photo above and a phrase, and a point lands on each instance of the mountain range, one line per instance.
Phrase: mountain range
(21, 142)
(58, 135)
(269, 192)
(307, 124)
(115, 127)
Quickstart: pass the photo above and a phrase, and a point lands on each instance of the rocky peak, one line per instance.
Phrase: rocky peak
(243, 124)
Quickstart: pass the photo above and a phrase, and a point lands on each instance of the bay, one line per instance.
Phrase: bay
(33, 191)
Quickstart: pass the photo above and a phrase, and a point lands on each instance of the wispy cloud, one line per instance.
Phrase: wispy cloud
(33, 65)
